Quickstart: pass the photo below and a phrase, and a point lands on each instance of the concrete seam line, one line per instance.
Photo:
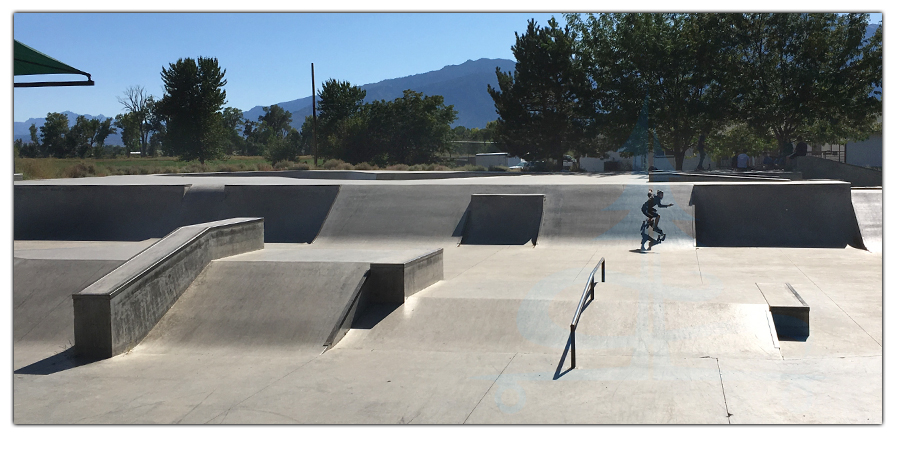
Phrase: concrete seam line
(724, 399)
(490, 387)
(836, 303)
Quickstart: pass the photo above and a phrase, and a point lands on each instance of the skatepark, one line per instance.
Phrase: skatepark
(345, 297)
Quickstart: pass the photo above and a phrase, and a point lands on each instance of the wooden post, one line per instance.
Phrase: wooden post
(315, 147)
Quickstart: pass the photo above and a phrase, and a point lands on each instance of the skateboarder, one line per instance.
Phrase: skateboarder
(649, 210)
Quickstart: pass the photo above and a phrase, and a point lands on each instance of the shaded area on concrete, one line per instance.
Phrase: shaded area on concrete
(42, 300)
(64, 360)
(801, 214)
(814, 168)
(293, 213)
(867, 204)
(95, 212)
(503, 219)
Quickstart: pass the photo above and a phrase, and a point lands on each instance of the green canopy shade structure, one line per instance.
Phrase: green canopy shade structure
(28, 61)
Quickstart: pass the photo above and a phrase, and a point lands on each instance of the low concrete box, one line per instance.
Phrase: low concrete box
(393, 282)
(116, 312)
(790, 313)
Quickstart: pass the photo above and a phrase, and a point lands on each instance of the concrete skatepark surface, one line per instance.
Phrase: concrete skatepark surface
(679, 334)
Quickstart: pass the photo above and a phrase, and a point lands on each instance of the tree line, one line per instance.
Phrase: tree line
(719, 83)
(191, 122)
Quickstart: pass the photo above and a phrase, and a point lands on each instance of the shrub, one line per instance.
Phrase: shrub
(473, 168)
(80, 170)
(264, 167)
(441, 167)
(498, 169)
(365, 166)
(331, 164)
(398, 167)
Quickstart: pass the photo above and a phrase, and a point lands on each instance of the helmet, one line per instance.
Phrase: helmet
(659, 194)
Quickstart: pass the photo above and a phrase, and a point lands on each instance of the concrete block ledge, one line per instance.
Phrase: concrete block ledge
(790, 313)
(393, 282)
(116, 312)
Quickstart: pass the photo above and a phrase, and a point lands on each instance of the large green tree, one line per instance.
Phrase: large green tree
(813, 77)
(192, 108)
(53, 135)
(340, 118)
(141, 104)
(673, 61)
(545, 104)
(130, 124)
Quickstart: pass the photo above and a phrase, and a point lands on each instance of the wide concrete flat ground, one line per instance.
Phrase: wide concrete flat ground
(674, 336)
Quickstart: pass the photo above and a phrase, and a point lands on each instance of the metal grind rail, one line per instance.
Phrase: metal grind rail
(588, 290)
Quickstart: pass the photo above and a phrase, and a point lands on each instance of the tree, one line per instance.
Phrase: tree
(812, 77)
(130, 125)
(139, 103)
(543, 107)
(80, 138)
(339, 102)
(673, 61)
(53, 135)
(232, 124)
(192, 108)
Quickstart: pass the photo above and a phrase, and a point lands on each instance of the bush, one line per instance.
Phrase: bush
(336, 164)
(365, 166)
(498, 169)
(398, 167)
(264, 167)
(473, 168)
(80, 170)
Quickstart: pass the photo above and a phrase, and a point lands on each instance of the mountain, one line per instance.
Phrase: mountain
(464, 86)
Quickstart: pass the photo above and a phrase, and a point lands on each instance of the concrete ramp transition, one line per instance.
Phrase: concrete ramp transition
(800, 214)
(260, 304)
(503, 219)
(867, 203)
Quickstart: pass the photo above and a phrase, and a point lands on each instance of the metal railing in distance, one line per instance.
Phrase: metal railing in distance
(588, 290)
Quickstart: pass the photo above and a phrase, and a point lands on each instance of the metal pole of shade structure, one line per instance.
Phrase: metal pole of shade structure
(315, 147)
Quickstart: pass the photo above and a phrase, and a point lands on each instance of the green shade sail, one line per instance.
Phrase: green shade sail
(28, 61)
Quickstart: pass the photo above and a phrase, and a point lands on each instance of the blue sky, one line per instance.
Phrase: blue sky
(266, 56)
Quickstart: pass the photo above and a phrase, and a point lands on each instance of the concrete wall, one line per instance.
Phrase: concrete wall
(114, 313)
(814, 168)
(503, 219)
(868, 153)
(293, 213)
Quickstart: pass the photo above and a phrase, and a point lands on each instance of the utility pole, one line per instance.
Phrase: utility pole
(315, 147)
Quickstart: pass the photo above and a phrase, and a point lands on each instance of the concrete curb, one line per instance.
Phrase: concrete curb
(116, 312)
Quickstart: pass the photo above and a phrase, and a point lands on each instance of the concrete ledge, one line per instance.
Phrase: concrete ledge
(790, 314)
(18, 177)
(393, 282)
(724, 177)
(113, 314)
(818, 168)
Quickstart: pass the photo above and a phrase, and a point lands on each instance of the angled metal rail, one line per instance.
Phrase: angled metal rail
(588, 290)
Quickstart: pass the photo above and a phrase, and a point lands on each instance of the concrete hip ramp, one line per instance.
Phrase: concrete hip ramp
(236, 305)
(867, 204)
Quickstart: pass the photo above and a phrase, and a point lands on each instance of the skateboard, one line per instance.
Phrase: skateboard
(647, 235)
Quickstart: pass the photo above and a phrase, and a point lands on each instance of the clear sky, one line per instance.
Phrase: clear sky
(266, 56)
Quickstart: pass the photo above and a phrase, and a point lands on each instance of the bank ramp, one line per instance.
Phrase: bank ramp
(240, 305)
